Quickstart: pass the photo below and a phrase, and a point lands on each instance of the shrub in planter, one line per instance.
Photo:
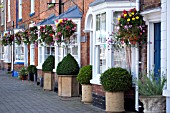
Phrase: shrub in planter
(48, 67)
(115, 81)
(84, 76)
(31, 70)
(48, 64)
(68, 66)
(67, 71)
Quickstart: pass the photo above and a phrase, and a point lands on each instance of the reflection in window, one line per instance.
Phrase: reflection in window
(19, 52)
(49, 51)
(101, 28)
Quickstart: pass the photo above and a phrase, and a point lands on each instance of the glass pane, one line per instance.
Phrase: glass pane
(47, 50)
(100, 36)
(103, 22)
(60, 50)
(101, 58)
(98, 22)
(52, 51)
(75, 50)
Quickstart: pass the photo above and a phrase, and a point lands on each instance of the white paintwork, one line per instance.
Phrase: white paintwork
(90, 20)
(32, 6)
(32, 54)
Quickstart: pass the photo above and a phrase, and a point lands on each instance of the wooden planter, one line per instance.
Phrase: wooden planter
(68, 86)
(114, 102)
(86, 93)
(153, 104)
(48, 81)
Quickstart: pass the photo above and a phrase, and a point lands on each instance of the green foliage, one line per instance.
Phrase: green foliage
(33, 33)
(23, 71)
(85, 74)
(48, 64)
(68, 66)
(32, 69)
(151, 85)
(116, 79)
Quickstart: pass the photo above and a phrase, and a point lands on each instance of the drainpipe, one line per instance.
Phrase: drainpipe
(168, 58)
(137, 67)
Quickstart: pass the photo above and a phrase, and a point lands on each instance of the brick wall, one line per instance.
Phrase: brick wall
(150, 4)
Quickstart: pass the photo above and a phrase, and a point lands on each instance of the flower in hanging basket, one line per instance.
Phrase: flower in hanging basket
(18, 37)
(132, 28)
(65, 28)
(25, 36)
(33, 34)
(7, 39)
(47, 34)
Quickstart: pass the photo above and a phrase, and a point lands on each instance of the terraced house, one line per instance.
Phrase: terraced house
(95, 21)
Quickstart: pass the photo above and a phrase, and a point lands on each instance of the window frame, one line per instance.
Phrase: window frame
(20, 10)
(9, 10)
(32, 9)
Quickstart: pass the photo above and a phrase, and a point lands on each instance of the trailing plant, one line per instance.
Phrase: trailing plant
(32, 69)
(49, 63)
(33, 33)
(116, 80)
(132, 28)
(85, 75)
(151, 85)
(7, 39)
(47, 34)
(68, 66)
(25, 36)
(65, 29)
(18, 37)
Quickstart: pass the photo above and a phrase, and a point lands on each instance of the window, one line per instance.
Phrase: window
(49, 50)
(19, 53)
(32, 7)
(40, 56)
(20, 9)
(100, 43)
(9, 11)
(2, 13)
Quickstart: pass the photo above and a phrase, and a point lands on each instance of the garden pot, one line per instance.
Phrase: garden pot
(68, 86)
(48, 80)
(153, 104)
(86, 93)
(114, 102)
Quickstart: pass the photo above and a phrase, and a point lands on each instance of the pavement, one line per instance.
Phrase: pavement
(17, 96)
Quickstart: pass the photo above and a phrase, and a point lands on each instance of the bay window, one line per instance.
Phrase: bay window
(19, 53)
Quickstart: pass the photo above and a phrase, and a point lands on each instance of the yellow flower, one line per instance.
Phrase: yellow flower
(57, 24)
(118, 19)
(128, 19)
(137, 17)
(132, 13)
(60, 21)
(133, 18)
(125, 15)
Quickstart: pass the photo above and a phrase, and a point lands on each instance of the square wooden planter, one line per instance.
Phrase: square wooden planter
(48, 81)
(68, 86)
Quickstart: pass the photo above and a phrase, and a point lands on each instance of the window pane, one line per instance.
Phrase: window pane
(75, 50)
(98, 22)
(101, 58)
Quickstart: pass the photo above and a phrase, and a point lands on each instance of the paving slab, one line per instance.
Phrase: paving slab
(17, 96)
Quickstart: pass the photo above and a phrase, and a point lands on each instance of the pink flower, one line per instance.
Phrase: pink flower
(59, 33)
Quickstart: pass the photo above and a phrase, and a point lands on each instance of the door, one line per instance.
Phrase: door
(157, 48)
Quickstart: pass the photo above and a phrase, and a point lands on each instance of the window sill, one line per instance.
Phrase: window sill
(19, 20)
(39, 67)
(32, 14)
(95, 80)
(19, 62)
(9, 21)
(54, 70)
(166, 93)
(7, 61)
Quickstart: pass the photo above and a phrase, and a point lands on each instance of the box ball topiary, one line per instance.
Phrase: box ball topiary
(68, 66)
(48, 64)
(85, 75)
(32, 69)
(116, 80)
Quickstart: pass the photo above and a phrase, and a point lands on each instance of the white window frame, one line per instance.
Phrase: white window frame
(62, 50)
(109, 8)
(7, 52)
(2, 13)
(46, 55)
(20, 9)
(32, 6)
(22, 46)
(9, 10)
(32, 54)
